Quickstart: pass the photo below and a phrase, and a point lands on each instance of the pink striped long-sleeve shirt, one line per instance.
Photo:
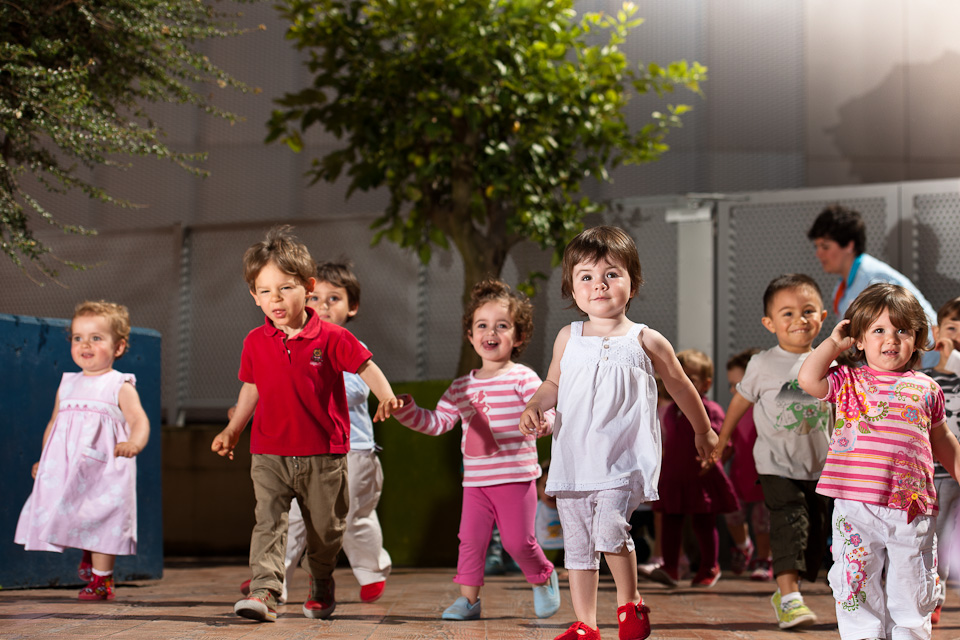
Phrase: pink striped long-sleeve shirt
(494, 450)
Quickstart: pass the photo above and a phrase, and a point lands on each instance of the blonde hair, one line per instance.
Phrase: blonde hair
(283, 249)
(595, 244)
(116, 314)
(903, 308)
(696, 361)
(521, 311)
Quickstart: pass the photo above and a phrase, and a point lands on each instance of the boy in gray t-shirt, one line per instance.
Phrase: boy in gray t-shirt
(793, 431)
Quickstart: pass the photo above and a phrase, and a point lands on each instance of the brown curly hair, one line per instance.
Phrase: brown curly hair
(519, 305)
(116, 314)
(283, 249)
(903, 308)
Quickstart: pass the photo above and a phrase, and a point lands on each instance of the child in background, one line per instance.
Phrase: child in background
(336, 299)
(548, 528)
(686, 488)
(946, 336)
(879, 470)
(292, 372)
(606, 446)
(743, 474)
(85, 490)
(500, 466)
(792, 441)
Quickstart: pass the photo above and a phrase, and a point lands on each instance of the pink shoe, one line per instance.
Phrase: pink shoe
(372, 592)
(740, 558)
(100, 588)
(579, 631)
(706, 579)
(634, 621)
(935, 616)
(85, 568)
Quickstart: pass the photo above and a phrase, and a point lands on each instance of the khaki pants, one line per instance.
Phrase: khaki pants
(319, 483)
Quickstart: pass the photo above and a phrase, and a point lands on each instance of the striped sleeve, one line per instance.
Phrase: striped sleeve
(433, 423)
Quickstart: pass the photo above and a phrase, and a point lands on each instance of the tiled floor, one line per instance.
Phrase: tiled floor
(194, 601)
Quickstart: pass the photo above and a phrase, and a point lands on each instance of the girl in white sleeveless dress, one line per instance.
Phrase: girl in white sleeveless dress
(605, 458)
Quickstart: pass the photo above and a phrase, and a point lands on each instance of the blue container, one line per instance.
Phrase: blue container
(34, 354)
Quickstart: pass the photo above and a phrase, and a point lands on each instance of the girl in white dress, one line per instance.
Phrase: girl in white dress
(606, 451)
(85, 489)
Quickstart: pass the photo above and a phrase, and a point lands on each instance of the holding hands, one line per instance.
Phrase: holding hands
(532, 421)
(387, 406)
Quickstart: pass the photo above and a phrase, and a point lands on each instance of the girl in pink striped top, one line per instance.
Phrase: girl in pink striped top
(500, 465)
(890, 424)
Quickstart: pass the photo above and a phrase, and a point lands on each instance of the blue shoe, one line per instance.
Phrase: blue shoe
(461, 609)
(546, 598)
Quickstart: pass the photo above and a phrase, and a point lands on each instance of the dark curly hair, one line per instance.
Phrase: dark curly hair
(519, 305)
(903, 308)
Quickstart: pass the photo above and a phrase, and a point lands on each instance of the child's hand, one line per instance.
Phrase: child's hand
(532, 421)
(841, 336)
(33, 470)
(387, 407)
(224, 443)
(706, 444)
(126, 450)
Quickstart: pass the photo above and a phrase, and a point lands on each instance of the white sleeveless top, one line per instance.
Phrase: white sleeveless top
(606, 433)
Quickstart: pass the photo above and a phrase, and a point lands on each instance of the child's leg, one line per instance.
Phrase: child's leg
(856, 577)
(912, 587)
(323, 502)
(515, 510)
(476, 525)
(705, 529)
(363, 539)
(103, 562)
(671, 542)
(795, 529)
(761, 529)
(737, 526)
(577, 516)
(271, 486)
(296, 545)
(623, 567)
(583, 594)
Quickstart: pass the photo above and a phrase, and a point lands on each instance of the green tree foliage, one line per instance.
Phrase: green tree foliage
(76, 80)
(481, 117)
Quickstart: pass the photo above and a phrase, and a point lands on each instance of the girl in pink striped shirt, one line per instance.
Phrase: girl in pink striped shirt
(500, 465)
(890, 424)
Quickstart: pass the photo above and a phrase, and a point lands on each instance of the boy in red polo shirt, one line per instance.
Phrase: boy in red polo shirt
(292, 372)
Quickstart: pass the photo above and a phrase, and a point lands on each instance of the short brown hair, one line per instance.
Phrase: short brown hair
(283, 249)
(696, 361)
(949, 311)
(842, 225)
(340, 274)
(788, 281)
(116, 314)
(742, 359)
(519, 305)
(595, 244)
(903, 308)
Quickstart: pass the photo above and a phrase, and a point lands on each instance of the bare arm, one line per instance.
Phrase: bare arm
(735, 410)
(226, 441)
(370, 373)
(946, 449)
(680, 388)
(136, 417)
(532, 419)
(46, 433)
(813, 372)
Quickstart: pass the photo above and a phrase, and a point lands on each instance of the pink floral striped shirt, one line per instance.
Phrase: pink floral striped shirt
(494, 450)
(880, 450)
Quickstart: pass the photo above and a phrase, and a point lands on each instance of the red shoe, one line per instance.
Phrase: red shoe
(634, 620)
(372, 592)
(935, 616)
(100, 588)
(261, 605)
(706, 579)
(245, 587)
(85, 568)
(322, 601)
(579, 631)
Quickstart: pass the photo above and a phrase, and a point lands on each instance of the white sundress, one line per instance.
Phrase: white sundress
(606, 434)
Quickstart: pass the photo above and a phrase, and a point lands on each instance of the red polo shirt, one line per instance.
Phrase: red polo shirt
(302, 409)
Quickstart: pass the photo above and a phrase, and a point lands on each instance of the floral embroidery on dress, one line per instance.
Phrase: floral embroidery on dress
(854, 571)
(912, 392)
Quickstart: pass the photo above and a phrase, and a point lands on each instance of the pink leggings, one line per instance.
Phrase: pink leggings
(671, 538)
(513, 507)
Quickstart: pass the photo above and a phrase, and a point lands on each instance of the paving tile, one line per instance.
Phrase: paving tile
(196, 601)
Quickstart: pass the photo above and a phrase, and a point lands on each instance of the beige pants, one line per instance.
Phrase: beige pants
(319, 483)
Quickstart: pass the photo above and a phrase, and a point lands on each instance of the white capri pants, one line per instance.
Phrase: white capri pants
(884, 576)
(595, 522)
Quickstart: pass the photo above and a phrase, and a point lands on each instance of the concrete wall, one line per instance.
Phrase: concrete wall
(34, 353)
